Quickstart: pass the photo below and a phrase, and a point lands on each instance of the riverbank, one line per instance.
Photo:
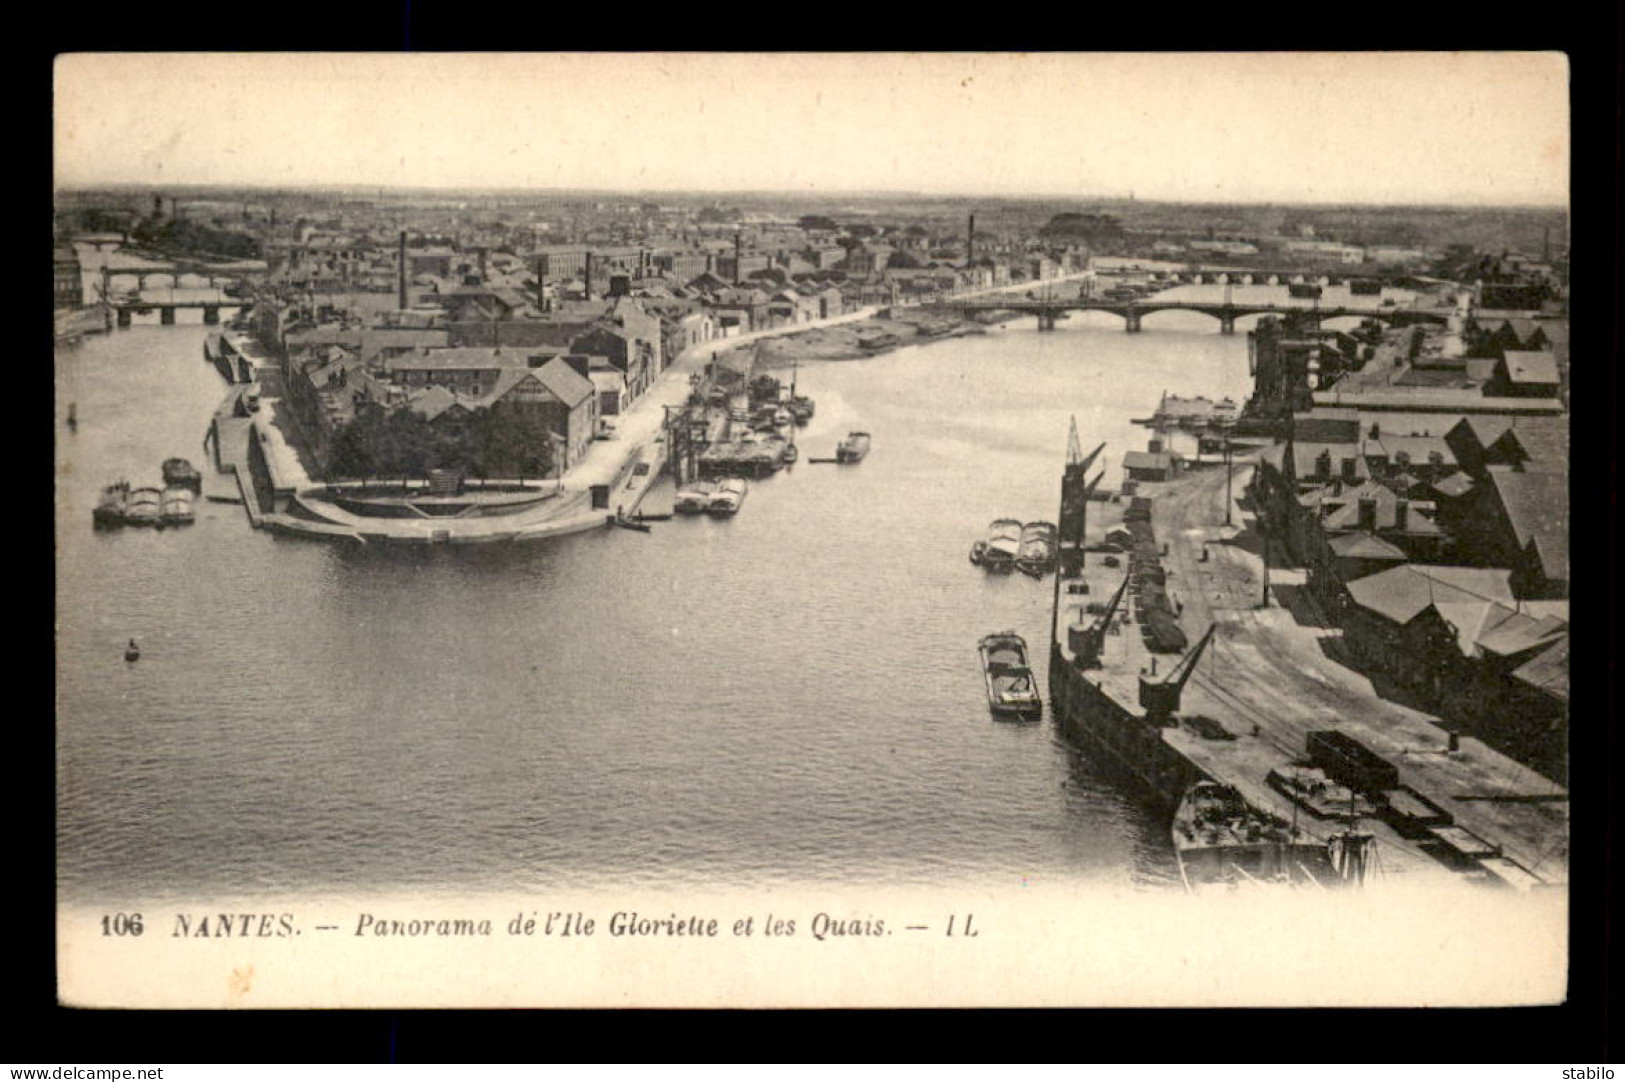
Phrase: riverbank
(74, 323)
(867, 337)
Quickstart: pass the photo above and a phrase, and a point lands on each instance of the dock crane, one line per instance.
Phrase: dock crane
(1160, 698)
(1087, 642)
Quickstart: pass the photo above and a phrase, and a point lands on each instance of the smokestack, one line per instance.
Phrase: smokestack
(541, 286)
(970, 241)
(482, 266)
(739, 252)
(401, 278)
(586, 275)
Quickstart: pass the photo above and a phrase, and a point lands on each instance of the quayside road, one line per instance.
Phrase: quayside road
(1283, 675)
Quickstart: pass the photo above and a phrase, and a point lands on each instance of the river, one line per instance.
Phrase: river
(786, 697)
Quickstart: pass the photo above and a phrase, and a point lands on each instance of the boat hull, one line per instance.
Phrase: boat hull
(1012, 689)
(1229, 867)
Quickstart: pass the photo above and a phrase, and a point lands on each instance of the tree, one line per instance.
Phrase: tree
(817, 222)
(1095, 230)
(861, 230)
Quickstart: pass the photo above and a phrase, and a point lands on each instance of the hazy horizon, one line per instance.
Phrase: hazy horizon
(785, 193)
(1311, 129)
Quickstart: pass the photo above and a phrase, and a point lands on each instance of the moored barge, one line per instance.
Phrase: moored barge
(1012, 690)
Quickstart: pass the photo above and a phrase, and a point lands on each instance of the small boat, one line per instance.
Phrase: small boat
(110, 508)
(696, 498)
(978, 552)
(790, 453)
(799, 405)
(144, 507)
(1036, 553)
(73, 415)
(729, 495)
(853, 448)
(1223, 842)
(132, 652)
(176, 509)
(1011, 690)
(1003, 544)
(178, 472)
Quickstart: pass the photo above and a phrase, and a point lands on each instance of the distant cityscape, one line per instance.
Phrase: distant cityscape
(1411, 460)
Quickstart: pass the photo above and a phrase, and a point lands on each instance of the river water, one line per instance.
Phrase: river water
(786, 697)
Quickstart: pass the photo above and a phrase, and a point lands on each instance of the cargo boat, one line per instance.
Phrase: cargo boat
(1036, 554)
(1012, 691)
(144, 507)
(178, 472)
(998, 553)
(853, 448)
(109, 512)
(176, 506)
(1222, 841)
(729, 495)
(696, 498)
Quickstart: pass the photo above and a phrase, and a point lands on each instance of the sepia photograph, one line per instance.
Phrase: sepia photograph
(812, 529)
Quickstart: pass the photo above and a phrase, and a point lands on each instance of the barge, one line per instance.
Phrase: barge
(853, 449)
(1012, 690)
(1223, 842)
(728, 497)
(998, 553)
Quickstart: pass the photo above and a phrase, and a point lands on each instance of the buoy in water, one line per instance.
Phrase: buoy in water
(132, 652)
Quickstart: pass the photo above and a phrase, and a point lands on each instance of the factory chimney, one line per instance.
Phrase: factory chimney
(739, 253)
(482, 266)
(970, 241)
(541, 286)
(401, 277)
(586, 277)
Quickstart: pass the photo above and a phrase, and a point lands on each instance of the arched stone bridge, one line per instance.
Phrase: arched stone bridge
(1132, 312)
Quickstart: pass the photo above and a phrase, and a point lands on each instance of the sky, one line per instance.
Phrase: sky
(1472, 128)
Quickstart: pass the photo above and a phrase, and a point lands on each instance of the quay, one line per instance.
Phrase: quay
(1242, 711)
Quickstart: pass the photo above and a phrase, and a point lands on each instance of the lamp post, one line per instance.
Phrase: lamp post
(1228, 475)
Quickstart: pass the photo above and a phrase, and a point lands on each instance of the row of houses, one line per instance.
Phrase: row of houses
(1437, 537)
(572, 367)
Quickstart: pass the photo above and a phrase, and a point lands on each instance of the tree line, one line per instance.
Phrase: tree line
(489, 442)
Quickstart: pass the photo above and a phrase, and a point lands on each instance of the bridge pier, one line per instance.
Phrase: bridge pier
(123, 317)
(1046, 319)
(1131, 322)
(166, 316)
(211, 314)
(1227, 324)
